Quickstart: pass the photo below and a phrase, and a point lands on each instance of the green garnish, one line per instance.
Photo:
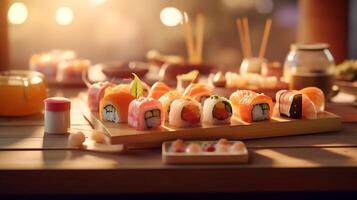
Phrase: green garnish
(137, 88)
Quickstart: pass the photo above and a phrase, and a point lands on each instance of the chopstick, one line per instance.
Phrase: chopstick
(187, 28)
(241, 36)
(247, 36)
(266, 33)
(194, 47)
(200, 20)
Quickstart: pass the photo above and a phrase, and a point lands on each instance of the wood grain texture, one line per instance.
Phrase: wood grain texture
(285, 169)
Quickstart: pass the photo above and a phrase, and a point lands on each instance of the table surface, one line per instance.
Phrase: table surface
(32, 162)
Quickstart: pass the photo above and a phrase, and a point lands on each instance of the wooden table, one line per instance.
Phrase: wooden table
(31, 162)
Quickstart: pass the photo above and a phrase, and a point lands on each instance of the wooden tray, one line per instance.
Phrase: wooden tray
(238, 130)
(202, 157)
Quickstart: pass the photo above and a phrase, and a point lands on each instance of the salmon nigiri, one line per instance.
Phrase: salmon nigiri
(316, 95)
(251, 106)
(158, 89)
(198, 91)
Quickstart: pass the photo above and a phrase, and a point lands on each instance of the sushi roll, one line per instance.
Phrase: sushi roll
(198, 92)
(158, 89)
(250, 106)
(185, 112)
(295, 105)
(217, 110)
(316, 95)
(95, 94)
(166, 101)
(115, 103)
(145, 113)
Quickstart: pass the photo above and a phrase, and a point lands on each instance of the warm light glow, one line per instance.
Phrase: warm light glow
(17, 13)
(264, 6)
(96, 2)
(64, 16)
(170, 16)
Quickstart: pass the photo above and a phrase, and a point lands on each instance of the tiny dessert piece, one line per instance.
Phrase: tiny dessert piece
(294, 104)
(193, 148)
(96, 93)
(76, 139)
(234, 80)
(98, 137)
(237, 146)
(251, 106)
(178, 146)
(217, 110)
(57, 115)
(209, 148)
(115, 103)
(158, 89)
(223, 141)
(316, 95)
(198, 92)
(166, 101)
(145, 113)
(185, 112)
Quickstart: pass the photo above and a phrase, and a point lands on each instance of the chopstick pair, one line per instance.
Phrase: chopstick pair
(244, 36)
(194, 46)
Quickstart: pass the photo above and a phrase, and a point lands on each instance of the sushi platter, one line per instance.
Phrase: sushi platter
(123, 134)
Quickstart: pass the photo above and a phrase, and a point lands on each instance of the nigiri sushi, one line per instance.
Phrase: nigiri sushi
(158, 89)
(217, 110)
(166, 101)
(185, 112)
(198, 91)
(294, 104)
(316, 95)
(114, 105)
(145, 113)
(96, 93)
(250, 106)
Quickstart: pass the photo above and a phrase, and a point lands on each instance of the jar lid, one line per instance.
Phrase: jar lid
(57, 104)
(309, 47)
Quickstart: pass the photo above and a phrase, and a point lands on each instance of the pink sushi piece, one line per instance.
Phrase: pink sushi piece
(96, 93)
(145, 113)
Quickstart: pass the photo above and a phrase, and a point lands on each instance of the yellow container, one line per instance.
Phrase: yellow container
(21, 92)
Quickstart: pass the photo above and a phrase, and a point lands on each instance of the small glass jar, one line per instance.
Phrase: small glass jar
(310, 65)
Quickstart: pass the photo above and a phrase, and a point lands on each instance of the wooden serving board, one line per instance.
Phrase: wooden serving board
(238, 130)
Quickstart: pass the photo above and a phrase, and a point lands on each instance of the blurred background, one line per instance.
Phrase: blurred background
(104, 30)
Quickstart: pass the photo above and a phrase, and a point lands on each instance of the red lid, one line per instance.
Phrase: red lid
(57, 104)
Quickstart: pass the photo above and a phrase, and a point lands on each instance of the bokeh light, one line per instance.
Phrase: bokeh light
(170, 16)
(97, 2)
(17, 13)
(64, 16)
(264, 6)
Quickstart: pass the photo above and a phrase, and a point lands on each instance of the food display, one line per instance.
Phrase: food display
(185, 112)
(60, 66)
(115, 103)
(203, 152)
(96, 93)
(145, 113)
(250, 106)
(217, 110)
(166, 101)
(347, 71)
(198, 91)
(158, 89)
(22, 93)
